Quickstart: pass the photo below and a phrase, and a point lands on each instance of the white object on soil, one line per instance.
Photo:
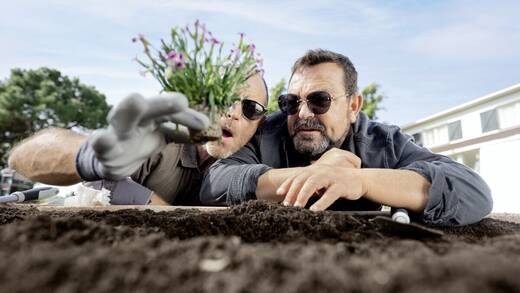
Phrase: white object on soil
(86, 196)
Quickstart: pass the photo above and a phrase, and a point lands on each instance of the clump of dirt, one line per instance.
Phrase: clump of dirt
(254, 247)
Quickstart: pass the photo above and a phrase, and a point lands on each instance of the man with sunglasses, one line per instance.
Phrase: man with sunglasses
(321, 152)
(138, 143)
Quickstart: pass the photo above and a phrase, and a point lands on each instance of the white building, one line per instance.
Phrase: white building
(483, 134)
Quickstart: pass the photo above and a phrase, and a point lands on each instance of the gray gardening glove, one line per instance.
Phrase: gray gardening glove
(139, 128)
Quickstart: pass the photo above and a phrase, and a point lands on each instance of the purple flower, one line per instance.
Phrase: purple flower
(197, 22)
(251, 47)
(214, 41)
(175, 60)
(171, 55)
(140, 37)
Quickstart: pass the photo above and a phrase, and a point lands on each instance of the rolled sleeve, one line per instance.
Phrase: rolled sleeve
(233, 180)
(231, 184)
(457, 195)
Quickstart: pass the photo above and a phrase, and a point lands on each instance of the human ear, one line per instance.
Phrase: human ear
(355, 105)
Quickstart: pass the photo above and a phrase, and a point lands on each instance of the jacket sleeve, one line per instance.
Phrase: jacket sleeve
(457, 196)
(233, 180)
(87, 166)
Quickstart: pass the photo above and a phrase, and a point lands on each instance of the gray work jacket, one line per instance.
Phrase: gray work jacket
(457, 195)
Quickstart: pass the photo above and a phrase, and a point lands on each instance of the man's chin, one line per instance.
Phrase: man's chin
(218, 149)
(310, 146)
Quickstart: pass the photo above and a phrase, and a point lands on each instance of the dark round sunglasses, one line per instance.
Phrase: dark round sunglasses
(318, 102)
(251, 110)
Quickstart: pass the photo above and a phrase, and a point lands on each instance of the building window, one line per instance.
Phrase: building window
(489, 120)
(455, 130)
(436, 136)
(509, 115)
(418, 138)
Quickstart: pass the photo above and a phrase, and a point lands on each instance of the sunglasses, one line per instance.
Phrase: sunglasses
(251, 110)
(318, 102)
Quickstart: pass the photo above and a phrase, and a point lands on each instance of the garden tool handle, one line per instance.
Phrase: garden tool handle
(31, 194)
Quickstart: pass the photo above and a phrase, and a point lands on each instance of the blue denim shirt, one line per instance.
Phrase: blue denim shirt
(457, 195)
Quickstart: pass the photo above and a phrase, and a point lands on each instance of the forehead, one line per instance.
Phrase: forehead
(254, 89)
(325, 76)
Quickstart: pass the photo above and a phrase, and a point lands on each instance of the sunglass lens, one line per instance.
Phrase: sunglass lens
(252, 110)
(289, 103)
(319, 102)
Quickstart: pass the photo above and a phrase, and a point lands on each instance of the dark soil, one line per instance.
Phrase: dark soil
(255, 247)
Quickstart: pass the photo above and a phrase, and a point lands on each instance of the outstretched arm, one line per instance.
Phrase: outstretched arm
(48, 156)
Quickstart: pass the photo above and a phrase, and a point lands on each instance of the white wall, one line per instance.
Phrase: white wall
(469, 117)
(500, 167)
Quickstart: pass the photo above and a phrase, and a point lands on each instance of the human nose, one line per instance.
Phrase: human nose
(304, 111)
(233, 112)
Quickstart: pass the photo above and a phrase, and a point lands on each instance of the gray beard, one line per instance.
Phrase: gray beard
(306, 147)
(312, 151)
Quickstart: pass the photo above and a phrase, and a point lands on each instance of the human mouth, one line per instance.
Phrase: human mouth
(226, 133)
(307, 130)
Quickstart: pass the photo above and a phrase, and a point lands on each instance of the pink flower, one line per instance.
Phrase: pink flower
(175, 60)
(171, 55)
(140, 37)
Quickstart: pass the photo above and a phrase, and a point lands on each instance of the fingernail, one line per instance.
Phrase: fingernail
(297, 204)
(279, 191)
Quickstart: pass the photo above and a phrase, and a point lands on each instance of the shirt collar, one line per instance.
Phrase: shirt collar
(189, 156)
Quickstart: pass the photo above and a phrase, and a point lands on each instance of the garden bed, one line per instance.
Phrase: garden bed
(254, 247)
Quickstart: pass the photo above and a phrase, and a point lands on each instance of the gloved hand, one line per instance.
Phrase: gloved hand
(139, 128)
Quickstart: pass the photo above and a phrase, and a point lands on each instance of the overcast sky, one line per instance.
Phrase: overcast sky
(427, 56)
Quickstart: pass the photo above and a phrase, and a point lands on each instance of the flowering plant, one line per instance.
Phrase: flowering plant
(192, 62)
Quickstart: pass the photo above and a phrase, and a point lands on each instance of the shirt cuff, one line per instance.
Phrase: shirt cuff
(87, 165)
(442, 204)
(243, 187)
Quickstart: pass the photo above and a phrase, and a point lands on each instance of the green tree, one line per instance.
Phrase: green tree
(372, 100)
(274, 93)
(31, 100)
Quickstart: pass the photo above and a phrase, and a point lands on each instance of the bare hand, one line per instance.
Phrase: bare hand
(340, 158)
(329, 181)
